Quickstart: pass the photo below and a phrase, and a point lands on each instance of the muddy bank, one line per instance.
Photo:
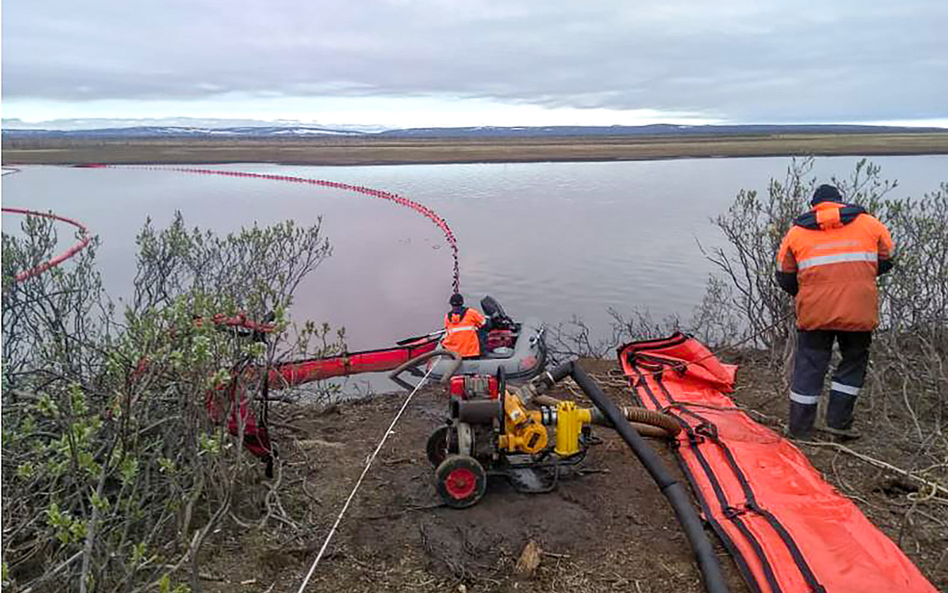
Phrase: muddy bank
(362, 151)
(605, 527)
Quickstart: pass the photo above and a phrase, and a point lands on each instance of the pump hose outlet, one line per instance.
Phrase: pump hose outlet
(667, 427)
(649, 423)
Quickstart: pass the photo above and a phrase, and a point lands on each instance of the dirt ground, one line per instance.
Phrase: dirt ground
(603, 529)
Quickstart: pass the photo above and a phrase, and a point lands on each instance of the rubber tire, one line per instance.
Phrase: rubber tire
(455, 463)
(437, 446)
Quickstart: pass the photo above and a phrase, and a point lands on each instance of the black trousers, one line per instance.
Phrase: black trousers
(814, 350)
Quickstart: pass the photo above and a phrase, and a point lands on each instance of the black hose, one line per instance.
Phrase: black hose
(670, 487)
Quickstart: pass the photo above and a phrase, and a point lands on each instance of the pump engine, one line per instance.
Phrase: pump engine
(491, 431)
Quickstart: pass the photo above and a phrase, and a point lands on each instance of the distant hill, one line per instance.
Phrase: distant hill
(181, 132)
(650, 130)
(290, 132)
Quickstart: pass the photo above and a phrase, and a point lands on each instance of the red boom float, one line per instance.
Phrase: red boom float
(366, 191)
(79, 246)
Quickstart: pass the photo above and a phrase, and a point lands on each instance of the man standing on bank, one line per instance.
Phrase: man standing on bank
(829, 261)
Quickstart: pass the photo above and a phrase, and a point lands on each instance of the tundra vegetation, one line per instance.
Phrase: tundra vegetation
(342, 150)
(114, 473)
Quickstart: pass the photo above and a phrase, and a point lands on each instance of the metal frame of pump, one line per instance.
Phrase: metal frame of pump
(491, 431)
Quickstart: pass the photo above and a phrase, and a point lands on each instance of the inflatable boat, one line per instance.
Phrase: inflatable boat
(518, 352)
(516, 349)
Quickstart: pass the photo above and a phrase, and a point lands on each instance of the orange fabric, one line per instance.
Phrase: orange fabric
(828, 217)
(836, 268)
(461, 332)
(838, 547)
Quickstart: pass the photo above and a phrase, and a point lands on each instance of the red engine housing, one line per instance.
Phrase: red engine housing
(500, 338)
(474, 386)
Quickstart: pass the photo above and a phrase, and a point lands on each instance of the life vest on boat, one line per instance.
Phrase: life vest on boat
(461, 332)
(835, 251)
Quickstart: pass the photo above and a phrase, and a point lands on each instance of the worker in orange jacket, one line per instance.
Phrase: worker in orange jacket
(461, 326)
(829, 260)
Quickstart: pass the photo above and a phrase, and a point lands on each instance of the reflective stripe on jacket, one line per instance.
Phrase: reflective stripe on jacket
(461, 332)
(835, 251)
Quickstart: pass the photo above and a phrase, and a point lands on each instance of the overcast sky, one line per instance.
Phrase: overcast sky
(469, 62)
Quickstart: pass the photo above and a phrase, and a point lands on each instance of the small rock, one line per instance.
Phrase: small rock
(529, 559)
(310, 444)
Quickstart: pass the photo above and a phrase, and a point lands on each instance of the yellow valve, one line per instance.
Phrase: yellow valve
(569, 424)
(523, 429)
(528, 438)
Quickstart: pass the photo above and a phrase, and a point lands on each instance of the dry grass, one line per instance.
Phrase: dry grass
(374, 151)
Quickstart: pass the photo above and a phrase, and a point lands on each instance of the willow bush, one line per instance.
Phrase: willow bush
(114, 474)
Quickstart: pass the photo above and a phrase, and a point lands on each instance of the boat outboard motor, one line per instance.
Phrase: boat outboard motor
(498, 317)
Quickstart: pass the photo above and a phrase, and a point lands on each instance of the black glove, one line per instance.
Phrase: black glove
(788, 282)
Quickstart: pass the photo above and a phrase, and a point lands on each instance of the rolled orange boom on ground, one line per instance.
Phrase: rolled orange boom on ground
(787, 529)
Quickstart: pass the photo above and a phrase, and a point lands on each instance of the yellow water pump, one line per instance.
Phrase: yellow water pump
(513, 432)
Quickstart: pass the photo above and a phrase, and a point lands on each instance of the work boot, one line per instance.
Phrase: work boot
(785, 433)
(841, 435)
(802, 418)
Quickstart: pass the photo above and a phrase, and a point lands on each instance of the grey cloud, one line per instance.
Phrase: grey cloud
(742, 61)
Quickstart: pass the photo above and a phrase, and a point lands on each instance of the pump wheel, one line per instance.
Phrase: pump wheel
(460, 481)
(437, 447)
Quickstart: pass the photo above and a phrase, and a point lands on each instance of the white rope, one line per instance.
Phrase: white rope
(352, 494)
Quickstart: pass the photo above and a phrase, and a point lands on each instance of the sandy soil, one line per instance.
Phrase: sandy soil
(606, 529)
(361, 151)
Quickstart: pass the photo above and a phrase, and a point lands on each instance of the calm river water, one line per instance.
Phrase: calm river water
(552, 240)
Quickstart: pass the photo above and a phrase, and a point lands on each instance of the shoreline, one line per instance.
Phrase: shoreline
(371, 152)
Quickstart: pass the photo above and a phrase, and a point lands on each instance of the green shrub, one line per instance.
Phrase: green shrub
(114, 475)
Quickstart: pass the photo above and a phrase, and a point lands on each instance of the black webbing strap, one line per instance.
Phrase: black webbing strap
(694, 440)
(708, 429)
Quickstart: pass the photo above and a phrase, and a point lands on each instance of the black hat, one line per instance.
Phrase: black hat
(456, 300)
(826, 193)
